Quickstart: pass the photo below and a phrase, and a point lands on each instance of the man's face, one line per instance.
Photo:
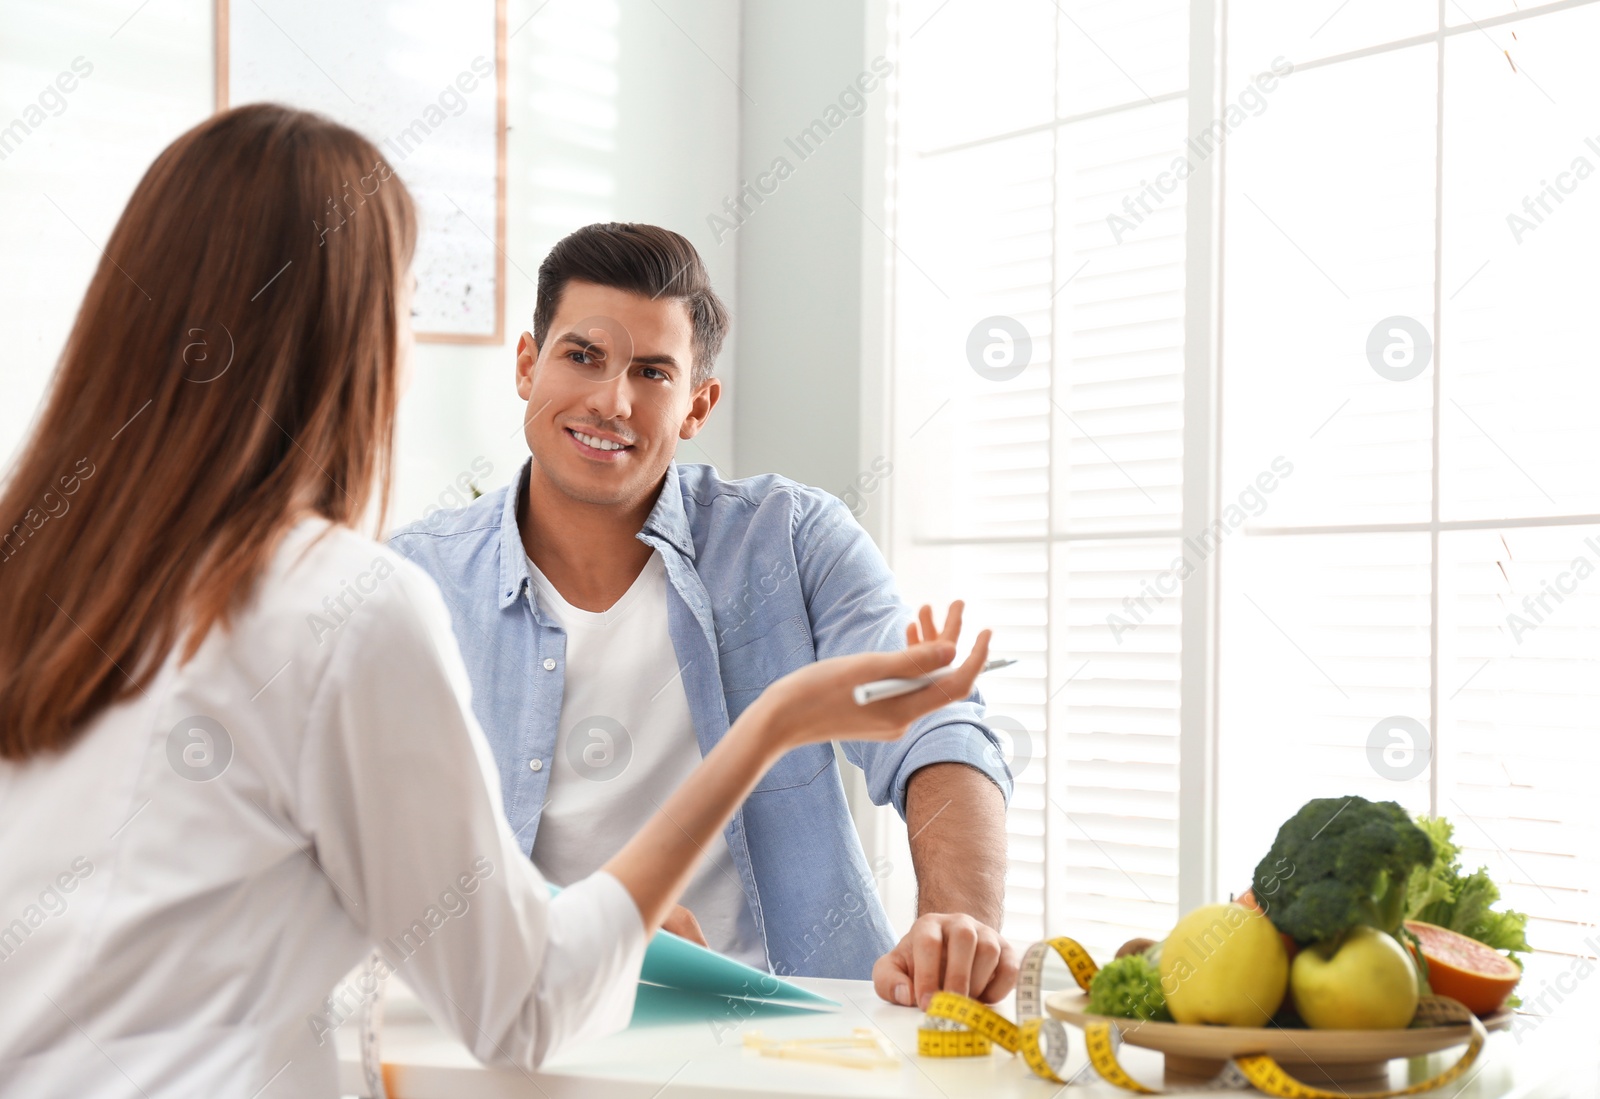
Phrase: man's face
(610, 393)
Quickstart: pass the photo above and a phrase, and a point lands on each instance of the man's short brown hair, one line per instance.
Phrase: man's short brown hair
(642, 259)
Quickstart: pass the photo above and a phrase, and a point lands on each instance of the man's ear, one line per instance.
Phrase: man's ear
(704, 400)
(527, 357)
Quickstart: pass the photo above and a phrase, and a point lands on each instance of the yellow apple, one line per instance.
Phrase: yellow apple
(1224, 964)
(1368, 983)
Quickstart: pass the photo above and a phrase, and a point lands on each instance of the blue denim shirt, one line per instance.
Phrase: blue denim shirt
(764, 576)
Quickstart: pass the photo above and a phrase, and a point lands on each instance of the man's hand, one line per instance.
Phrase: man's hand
(681, 922)
(950, 952)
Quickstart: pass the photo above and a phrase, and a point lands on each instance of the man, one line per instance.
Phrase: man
(618, 610)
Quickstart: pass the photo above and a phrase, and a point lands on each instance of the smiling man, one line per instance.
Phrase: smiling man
(617, 610)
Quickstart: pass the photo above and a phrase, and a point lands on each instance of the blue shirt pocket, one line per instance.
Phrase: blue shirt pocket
(749, 668)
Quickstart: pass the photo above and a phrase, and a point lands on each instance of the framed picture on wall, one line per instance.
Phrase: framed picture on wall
(429, 90)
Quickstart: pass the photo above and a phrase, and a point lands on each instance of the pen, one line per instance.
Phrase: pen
(891, 688)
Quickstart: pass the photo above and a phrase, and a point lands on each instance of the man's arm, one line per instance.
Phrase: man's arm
(956, 817)
(947, 777)
(853, 605)
(958, 846)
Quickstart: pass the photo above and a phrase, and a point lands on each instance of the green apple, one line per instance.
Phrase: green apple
(1367, 983)
(1224, 964)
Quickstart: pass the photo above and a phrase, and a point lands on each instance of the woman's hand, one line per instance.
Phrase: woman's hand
(810, 705)
(816, 703)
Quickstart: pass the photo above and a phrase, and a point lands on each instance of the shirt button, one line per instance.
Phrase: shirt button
(535, 764)
(549, 664)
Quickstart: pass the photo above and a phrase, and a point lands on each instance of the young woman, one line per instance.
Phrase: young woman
(236, 744)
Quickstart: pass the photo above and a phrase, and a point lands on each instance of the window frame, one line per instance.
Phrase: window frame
(1205, 316)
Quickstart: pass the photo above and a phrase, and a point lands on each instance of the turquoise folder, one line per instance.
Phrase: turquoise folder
(672, 962)
(678, 963)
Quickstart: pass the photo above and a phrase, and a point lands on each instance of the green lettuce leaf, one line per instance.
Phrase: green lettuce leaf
(1441, 894)
(1434, 885)
(1473, 916)
(1129, 988)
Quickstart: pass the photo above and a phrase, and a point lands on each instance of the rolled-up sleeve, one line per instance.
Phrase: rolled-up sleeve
(397, 787)
(855, 606)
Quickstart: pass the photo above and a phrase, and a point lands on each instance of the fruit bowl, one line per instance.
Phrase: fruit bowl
(1197, 1053)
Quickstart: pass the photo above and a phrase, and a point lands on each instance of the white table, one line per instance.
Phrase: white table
(670, 1057)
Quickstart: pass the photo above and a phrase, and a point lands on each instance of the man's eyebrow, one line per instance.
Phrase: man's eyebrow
(656, 360)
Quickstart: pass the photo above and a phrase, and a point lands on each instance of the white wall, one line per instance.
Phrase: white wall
(617, 110)
(799, 245)
(63, 186)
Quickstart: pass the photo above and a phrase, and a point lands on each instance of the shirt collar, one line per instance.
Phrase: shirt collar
(667, 521)
(514, 575)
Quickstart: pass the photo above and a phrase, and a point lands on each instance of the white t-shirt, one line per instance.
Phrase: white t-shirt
(627, 740)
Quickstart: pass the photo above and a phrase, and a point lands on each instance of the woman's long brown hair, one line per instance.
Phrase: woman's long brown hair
(232, 369)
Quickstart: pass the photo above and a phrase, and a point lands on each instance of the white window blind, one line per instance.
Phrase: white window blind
(1381, 537)
(1044, 499)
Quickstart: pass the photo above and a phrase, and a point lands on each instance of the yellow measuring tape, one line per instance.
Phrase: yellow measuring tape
(958, 1026)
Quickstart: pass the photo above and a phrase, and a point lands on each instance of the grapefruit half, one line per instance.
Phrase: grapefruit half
(1464, 969)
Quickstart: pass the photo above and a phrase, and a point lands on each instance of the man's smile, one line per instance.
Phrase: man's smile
(598, 446)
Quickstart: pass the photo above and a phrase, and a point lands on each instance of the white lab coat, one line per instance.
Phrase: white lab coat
(181, 890)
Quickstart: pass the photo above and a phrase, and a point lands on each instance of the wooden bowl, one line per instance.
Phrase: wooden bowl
(1196, 1053)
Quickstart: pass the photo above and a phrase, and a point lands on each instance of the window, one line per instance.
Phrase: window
(1250, 406)
(1038, 402)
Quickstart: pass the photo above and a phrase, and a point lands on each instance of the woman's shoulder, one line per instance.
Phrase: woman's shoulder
(324, 577)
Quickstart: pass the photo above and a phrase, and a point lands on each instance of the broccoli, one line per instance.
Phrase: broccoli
(1129, 988)
(1337, 863)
